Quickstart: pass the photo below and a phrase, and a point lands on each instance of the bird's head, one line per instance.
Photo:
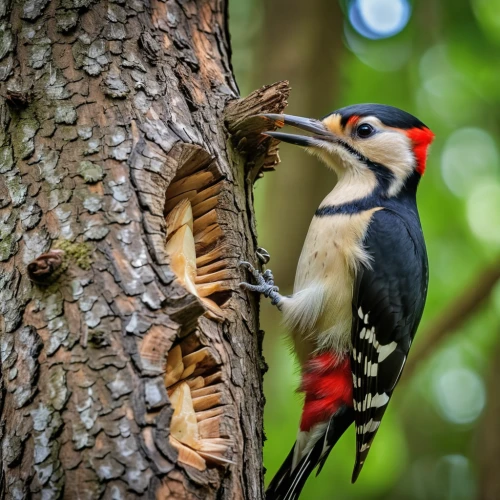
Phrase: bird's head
(370, 140)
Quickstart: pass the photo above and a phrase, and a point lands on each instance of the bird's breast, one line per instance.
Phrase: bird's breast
(320, 310)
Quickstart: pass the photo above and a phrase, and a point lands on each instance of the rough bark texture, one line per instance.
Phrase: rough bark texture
(488, 439)
(104, 105)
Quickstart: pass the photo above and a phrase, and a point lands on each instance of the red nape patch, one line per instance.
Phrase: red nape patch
(327, 384)
(421, 138)
(353, 119)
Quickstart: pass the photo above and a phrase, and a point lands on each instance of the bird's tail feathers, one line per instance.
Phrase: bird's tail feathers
(289, 481)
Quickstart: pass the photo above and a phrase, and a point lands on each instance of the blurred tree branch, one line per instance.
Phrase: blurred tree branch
(455, 315)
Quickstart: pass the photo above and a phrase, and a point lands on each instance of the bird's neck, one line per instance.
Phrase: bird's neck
(352, 186)
(359, 190)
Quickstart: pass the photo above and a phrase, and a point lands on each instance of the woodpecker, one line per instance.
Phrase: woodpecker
(361, 281)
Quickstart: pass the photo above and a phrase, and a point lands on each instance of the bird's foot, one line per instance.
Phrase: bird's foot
(264, 282)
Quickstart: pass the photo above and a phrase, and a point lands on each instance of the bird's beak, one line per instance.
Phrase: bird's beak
(318, 129)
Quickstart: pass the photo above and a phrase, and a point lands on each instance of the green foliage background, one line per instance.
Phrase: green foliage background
(442, 67)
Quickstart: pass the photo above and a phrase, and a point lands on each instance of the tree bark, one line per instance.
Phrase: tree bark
(488, 439)
(112, 113)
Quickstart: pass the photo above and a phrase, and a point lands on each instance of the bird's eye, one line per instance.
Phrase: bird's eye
(365, 130)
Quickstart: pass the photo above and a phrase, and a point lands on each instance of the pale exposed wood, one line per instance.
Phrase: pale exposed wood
(205, 206)
(206, 414)
(180, 215)
(224, 274)
(198, 357)
(192, 182)
(183, 425)
(205, 391)
(172, 202)
(211, 288)
(175, 366)
(208, 237)
(211, 268)
(181, 249)
(196, 383)
(204, 221)
(215, 377)
(187, 455)
(206, 402)
(214, 311)
(206, 193)
(210, 427)
(218, 252)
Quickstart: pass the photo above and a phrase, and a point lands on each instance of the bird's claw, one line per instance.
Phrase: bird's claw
(263, 255)
(265, 283)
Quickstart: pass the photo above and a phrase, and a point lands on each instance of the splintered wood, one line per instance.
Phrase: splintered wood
(197, 400)
(194, 236)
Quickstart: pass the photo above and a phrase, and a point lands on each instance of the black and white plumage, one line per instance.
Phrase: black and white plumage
(388, 302)
(361, 280)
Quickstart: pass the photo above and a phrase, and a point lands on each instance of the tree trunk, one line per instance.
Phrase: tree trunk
(488, 439)
(114, 116)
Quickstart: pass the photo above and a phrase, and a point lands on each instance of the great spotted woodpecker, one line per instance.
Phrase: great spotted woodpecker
(361, 281)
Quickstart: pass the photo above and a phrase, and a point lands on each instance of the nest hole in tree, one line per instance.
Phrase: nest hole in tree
(195, 239)
(195, 387)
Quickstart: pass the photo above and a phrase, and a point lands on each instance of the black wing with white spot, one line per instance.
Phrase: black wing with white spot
(388, 302)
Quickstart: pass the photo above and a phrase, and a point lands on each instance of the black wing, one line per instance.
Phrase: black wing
(388, 302)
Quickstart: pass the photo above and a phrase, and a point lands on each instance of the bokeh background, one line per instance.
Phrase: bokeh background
(440, 60)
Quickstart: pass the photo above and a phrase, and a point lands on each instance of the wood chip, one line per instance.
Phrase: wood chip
(203, 234)
(214, 450)
(210, 427)
(215, 445)
(187, 455)
(181, 214)
(211, 389)
(223, 274)
(214, 378)
(206, 402)
(210, 288)
(175, 366)
(188, 371)
(196, 383)
(214, 311)
(214, 266)
(181, 250)
(184, 425)
(204, 221)
(214, 254)
(207, 193)
(205, 206)
(196, 357)
(172, 202)
(192, 159)
(212, 412)
(196, 181)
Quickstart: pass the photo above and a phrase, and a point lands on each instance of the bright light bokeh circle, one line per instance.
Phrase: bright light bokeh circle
(460, 395)
(483, 212)
(469, 156)
(379, 18)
